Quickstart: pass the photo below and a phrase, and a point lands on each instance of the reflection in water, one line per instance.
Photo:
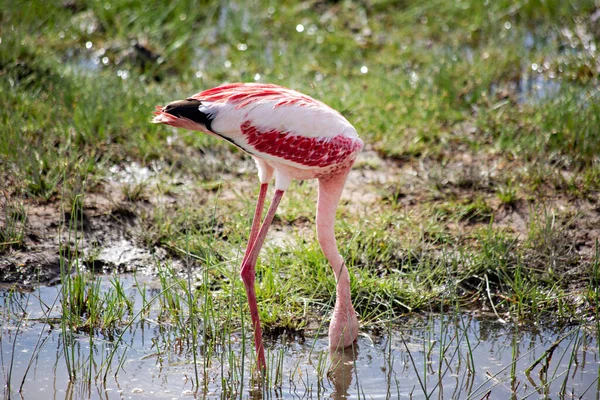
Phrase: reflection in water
(342, 369)
(438, 356)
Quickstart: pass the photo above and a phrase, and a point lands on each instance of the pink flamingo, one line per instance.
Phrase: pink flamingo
(290, 136)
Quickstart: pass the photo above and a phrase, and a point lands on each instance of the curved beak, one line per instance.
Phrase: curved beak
(182, 114)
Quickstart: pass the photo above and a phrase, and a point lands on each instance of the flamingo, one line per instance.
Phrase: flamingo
(290, 136)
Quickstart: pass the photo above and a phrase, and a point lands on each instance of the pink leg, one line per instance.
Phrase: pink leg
(248, 275)
(256, 220)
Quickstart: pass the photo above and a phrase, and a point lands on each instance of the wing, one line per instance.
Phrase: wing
(279, 124)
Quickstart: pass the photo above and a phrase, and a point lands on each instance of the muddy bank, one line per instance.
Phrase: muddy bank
(101, 239)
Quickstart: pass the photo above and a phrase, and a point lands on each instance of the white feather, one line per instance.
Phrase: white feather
(207, 108)
(308, 120)
(304, 120)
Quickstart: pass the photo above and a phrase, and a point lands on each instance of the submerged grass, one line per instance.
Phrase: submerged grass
(484, 114)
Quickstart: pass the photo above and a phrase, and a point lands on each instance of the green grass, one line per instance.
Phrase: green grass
(486, 114)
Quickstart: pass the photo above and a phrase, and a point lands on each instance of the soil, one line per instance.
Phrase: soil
(106, 241)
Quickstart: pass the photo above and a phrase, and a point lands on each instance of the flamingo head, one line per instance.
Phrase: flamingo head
(183, 114)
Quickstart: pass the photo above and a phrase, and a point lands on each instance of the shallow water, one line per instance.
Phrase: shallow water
(441, 356)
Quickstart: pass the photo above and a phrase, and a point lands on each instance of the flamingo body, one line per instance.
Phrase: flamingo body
(291, 136)
(274, 124)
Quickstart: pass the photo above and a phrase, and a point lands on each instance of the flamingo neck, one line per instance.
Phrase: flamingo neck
(342, 290)
(343, 329)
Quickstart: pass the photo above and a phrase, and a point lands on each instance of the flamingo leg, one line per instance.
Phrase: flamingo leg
(248, 274)
(260, 204)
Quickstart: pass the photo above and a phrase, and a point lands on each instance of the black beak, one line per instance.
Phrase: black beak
(184, 108)
(190, 109)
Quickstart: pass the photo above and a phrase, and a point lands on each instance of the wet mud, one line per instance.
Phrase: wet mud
(102, 238)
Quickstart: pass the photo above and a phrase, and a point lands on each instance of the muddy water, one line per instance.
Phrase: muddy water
(441, 356)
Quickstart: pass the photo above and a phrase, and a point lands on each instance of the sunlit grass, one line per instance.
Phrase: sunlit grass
(489, 110)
